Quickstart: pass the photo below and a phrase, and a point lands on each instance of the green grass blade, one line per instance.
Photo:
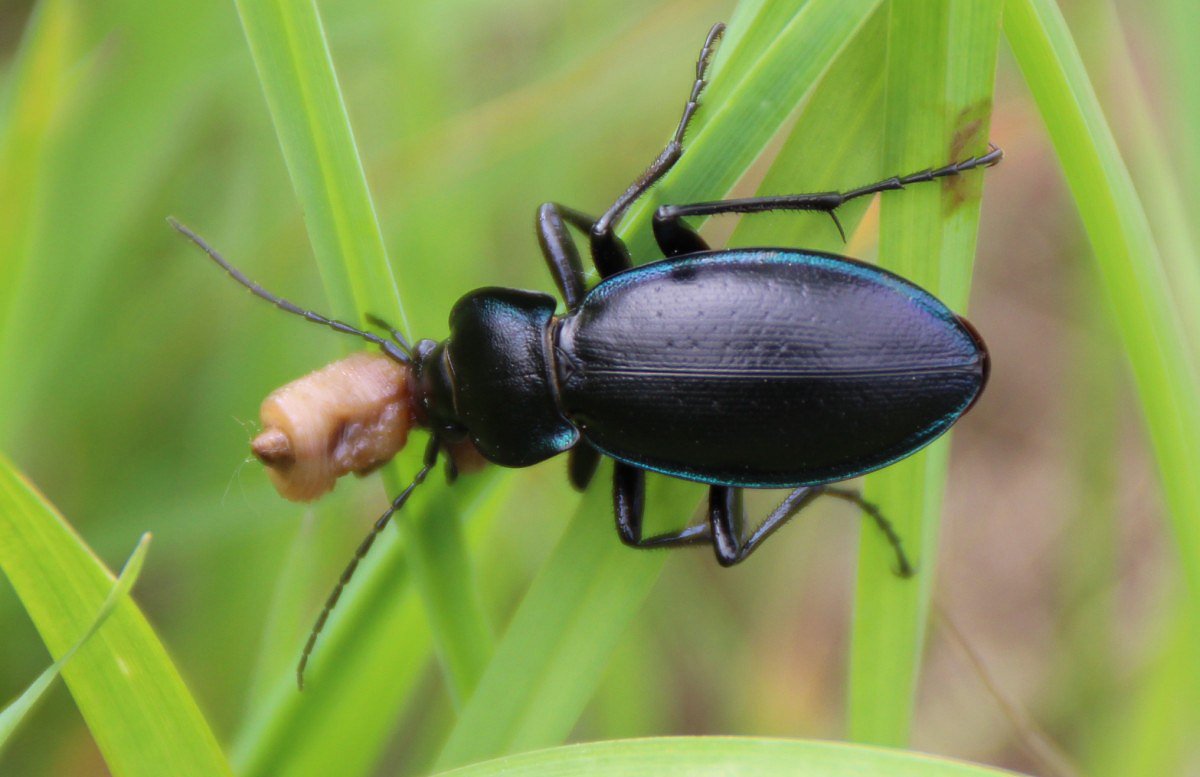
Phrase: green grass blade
(1154, 732)
(12, 715)
(139, 711)
(295, 67)
(940, 72)
(446, 580)
(691, 756)
(348, 709)
(1178, 22)
(1135, 278)
(1158, 173)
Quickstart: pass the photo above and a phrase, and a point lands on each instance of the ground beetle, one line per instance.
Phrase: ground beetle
(740, 368)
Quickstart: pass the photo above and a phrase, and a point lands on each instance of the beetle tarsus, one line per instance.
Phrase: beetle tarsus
(903, 567)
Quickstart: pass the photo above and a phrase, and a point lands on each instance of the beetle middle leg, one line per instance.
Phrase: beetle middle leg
(676, 238)
(629, 503)
(726, 514)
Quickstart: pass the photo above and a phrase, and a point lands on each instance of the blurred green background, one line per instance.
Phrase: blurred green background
(131, 372)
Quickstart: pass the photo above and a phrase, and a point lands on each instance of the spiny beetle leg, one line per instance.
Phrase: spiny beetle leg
(672, 235)
(629, 501)
(562, 258)
(608, 252)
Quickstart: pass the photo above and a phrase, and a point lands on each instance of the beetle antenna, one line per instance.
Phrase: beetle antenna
(397, 350)
(363, 547)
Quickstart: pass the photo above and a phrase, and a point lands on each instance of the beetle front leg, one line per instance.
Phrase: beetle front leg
(562, 258)
(629, 502)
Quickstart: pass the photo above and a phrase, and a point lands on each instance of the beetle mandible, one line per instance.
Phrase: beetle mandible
(737, 368)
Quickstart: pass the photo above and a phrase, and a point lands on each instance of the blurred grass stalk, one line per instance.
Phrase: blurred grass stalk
(1137, 280)
(31, 98)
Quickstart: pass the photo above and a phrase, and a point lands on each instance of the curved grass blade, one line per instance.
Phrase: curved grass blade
(296, 71)
(30, 99)
(374, 649)
(834, 145)
(138, 709)
(12, 715)
(725, 756)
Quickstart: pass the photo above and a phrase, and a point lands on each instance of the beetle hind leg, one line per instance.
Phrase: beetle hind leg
(724, 529)
(903, 567)
(726, 514)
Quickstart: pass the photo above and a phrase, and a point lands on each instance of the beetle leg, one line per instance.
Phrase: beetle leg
(559, 250)
(673, 235)
(563, 260)
(629, 501)
(397, 337)
(903, 567)
(726, 513)
(608, 252)
(582, 461)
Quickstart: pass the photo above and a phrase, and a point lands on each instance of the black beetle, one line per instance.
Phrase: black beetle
(740, 368)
